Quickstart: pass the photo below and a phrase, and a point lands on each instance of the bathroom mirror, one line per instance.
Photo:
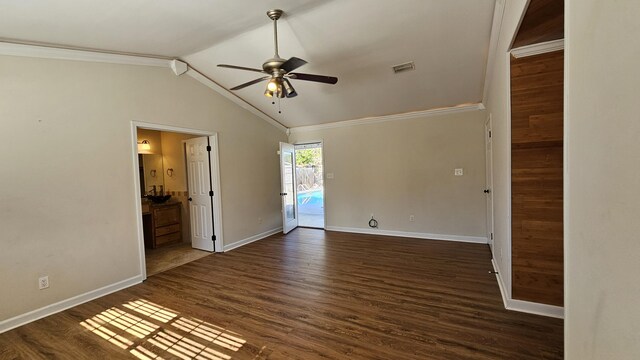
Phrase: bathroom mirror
(151, 174)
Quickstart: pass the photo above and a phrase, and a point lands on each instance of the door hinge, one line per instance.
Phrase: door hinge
(489, 133)
(208, 147)
(210, 192)
(213, 237)
(491, 236)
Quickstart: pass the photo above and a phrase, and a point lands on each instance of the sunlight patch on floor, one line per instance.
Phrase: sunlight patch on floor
(139, 333)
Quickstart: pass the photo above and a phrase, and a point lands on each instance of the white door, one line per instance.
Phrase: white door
(200, 200)
(288, 187)
(488, 190)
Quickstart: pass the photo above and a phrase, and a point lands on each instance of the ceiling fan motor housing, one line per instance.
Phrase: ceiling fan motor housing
(272, 66)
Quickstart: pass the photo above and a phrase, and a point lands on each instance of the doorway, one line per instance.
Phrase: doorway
(310, 185)
(177, 195)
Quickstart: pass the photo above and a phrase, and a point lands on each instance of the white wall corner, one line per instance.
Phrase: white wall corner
(496, 30)
(178, 67)
(251, 239)
(525, 306)
(14, 322)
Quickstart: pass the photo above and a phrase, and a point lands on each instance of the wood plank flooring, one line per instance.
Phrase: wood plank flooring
(307, 295)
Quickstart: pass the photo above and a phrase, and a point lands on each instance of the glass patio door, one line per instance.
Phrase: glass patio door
(288, 189)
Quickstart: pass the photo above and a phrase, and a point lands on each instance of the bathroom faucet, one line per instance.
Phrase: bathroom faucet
(153, 190)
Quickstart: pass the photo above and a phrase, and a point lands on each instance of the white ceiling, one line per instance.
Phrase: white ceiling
(356, 40)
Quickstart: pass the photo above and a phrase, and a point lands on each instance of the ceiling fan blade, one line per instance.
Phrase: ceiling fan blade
(292, 64)
(312, 77)
(240, 68)
(242, 86)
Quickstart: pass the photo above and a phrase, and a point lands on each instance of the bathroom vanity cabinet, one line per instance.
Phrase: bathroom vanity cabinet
(162, 224)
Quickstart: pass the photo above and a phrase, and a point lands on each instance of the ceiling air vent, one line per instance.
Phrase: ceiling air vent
(408, 66)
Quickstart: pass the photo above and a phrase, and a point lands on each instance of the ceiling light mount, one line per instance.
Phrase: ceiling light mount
(275, 14)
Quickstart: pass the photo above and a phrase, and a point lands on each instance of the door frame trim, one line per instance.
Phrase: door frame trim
(488, 124)
(215, 173)
(324, 177)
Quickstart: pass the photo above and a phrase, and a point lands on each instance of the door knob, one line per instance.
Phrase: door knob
(190, 199)
(486, 191)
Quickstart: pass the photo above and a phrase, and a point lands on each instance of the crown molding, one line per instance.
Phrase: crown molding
(48, 52)
(387, 118)
(537, 49)
(51, 52)
(194, 73)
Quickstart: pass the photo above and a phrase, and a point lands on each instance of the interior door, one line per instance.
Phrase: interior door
(489, 180)
(288, 187)
(200, 200)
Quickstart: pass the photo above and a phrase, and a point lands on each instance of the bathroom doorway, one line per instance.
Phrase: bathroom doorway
(310, 185)
(174, 165)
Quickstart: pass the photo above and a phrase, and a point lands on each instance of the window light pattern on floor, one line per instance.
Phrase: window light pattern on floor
(145, 334)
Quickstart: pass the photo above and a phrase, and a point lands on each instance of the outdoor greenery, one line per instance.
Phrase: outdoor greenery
(309, 157)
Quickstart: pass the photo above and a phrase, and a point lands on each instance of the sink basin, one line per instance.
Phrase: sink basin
(159, 199)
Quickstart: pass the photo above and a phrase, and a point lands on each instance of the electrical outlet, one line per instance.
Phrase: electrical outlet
(458, 172)
(43, 282)
(412, 218)
(259, 220)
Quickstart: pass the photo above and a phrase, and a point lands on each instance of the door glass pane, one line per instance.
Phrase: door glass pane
(289, 205)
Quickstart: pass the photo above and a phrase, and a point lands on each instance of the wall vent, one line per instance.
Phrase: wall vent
(408, 66)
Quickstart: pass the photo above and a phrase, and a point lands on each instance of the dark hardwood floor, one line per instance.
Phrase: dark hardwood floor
(308, 295)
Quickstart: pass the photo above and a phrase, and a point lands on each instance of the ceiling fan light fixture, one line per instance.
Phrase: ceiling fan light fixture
(272, 85)
(277, 71)
(288, 89)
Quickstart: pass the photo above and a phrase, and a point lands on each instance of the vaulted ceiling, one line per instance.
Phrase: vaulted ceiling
(356, 40)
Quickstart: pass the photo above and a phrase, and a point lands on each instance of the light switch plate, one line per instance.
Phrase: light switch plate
(458, 172)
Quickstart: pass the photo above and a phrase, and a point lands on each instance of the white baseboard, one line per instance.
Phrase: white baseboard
(536, 308)
(14, 322)
(525, 306)
(461, 238)
(501, 284)
(251, 239)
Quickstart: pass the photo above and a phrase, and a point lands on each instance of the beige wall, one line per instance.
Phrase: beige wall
(497, 104)
(602, 230)
(402, 168)
(67, 200)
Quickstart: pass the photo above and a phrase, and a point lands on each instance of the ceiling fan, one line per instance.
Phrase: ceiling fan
(279, 70)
